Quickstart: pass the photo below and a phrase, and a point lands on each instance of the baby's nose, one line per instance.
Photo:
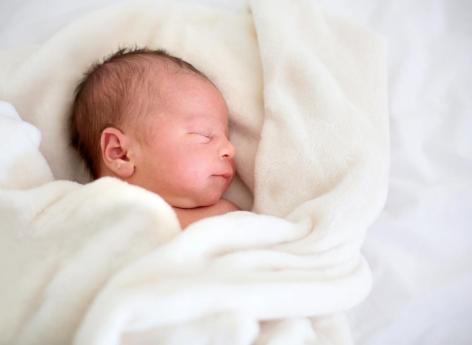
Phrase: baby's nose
(227, 150)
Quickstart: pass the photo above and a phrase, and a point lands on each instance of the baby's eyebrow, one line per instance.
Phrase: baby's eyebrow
(192, 121)
(196, 121)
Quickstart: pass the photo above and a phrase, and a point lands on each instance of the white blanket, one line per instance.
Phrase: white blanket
(106, 263)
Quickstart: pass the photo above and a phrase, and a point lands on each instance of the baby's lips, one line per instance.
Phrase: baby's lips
(227, 175)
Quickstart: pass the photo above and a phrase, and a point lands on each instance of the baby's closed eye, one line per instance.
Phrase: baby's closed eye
(203, 135)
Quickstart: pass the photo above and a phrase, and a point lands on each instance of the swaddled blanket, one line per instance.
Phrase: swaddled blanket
(106, 262)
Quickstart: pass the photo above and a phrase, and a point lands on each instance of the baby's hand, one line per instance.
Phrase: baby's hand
(190, 215)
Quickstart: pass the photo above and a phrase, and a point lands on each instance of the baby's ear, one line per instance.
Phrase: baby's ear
(115, 149)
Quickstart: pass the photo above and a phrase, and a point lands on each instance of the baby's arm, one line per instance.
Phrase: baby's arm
(190, 215)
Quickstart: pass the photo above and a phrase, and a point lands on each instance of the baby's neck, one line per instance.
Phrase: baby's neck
(188, 216)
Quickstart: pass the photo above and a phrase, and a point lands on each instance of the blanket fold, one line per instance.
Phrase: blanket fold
(106, 263)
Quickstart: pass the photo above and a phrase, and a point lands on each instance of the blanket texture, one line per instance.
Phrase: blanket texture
(107, 263)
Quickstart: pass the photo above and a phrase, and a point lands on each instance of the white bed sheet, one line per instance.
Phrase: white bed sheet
(420, 248)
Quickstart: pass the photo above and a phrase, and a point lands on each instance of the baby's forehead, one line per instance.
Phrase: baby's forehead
(194, 119)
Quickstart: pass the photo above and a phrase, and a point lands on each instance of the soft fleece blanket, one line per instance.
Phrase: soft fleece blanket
(107, 263)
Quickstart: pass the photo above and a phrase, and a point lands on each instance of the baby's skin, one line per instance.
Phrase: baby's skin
(180, 149)
(191, 215)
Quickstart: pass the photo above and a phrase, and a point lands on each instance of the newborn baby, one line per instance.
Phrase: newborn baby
(154, 121)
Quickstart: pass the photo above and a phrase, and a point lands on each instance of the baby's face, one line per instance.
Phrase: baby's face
(187, 157)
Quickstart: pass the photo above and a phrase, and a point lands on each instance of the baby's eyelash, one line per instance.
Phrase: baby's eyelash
(203, 134)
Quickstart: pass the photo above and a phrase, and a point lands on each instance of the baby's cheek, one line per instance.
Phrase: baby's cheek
(192, 165)
(190, 170)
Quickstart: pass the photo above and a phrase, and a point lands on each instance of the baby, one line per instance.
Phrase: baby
(154, 121)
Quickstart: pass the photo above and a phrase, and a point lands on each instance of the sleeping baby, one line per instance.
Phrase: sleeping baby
(155, 121)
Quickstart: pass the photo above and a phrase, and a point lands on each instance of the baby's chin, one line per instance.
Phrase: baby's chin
(199, 200)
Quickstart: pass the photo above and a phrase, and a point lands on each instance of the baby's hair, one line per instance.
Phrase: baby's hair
(107, 96)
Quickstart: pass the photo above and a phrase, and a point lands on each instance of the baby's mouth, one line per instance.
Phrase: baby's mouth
(227, 175)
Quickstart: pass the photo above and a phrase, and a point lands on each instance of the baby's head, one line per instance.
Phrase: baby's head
(154, 121)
